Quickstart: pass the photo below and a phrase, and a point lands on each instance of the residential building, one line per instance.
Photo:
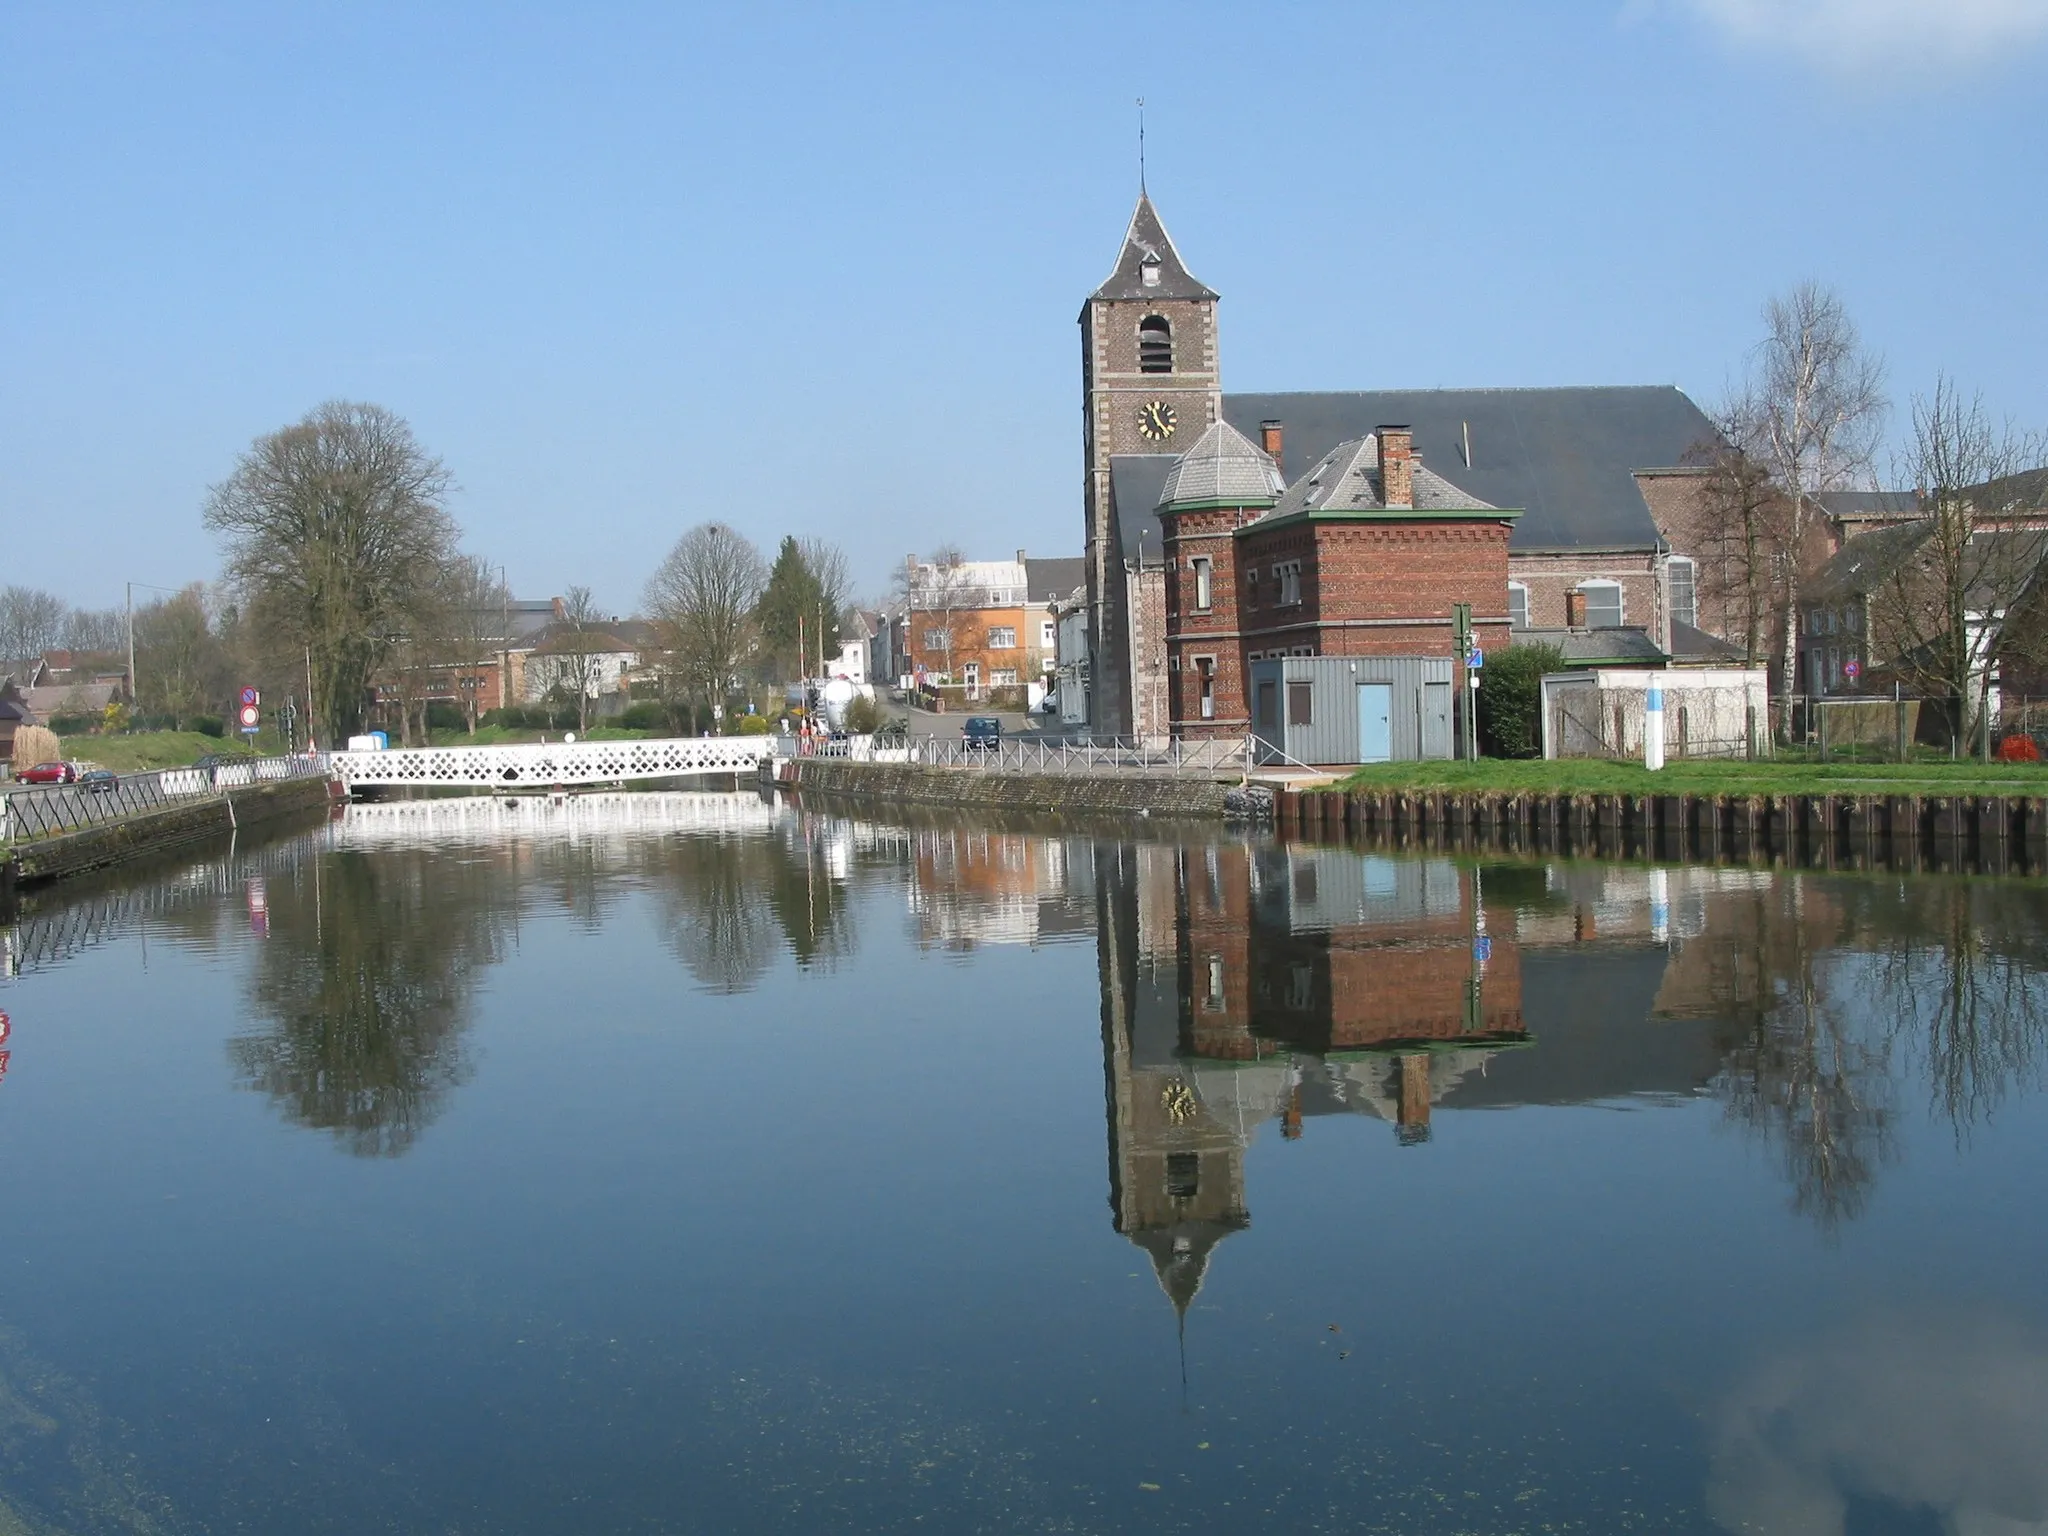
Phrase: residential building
(966, 623)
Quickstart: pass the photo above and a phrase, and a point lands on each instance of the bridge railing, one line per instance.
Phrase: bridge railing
(30, 811)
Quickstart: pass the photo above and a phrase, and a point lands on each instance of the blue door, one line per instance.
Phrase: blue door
(1375, 722)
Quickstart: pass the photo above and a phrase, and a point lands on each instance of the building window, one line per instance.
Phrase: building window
(1216, 978)
(1155, 345)
(1685, 603)
(1855, 621)
(1205, 671)
(937, 639)
(973, 676)
(1518, 605)
(1183, 1174)
(1301, 704)
(1289, 573)
(1002, 637)
(1603, 603)
(1002, 677)
(1048, 635)
(1204, 596)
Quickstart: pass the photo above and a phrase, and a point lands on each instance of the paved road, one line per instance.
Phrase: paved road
(925, 723)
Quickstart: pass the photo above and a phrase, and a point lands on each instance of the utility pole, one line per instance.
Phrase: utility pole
(132, 698)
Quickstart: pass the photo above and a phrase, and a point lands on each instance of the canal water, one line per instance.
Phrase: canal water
(689, 1163)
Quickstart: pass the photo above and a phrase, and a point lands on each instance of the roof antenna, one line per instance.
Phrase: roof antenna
(1141, 146)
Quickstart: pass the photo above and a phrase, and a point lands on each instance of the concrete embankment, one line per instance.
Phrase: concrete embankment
(153, 832)
(1993, 834)
(1151, 794)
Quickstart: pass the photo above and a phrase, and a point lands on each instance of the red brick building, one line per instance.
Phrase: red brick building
(1365, 555)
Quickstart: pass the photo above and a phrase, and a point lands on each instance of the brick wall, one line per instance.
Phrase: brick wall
(1550, 578)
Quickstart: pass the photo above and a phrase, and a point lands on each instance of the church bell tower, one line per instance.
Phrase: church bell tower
(1150, 384)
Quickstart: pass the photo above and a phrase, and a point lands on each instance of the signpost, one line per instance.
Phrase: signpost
(1466, 650)
(251, 713)
(1852, 669)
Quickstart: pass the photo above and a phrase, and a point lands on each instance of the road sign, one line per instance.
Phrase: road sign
(1477, 659)
(251, 696)
(250, 716)
(1852, 668)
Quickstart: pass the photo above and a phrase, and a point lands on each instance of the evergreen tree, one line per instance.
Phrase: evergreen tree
(791, 608)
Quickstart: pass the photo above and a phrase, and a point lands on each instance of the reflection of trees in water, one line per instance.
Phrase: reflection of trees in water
(1846, 989)
(715, 911)
(365, 983)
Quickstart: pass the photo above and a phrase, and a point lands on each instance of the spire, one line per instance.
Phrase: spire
(1148, 266)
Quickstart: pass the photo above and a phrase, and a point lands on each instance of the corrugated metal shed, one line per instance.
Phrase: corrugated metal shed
(1309, 707)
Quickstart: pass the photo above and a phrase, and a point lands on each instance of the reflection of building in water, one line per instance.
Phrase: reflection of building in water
(1248, 983)
(973, 885)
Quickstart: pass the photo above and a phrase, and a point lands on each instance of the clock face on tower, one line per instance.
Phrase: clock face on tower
(1156, 420)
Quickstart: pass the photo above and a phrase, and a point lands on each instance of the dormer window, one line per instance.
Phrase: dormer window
(1148, 274)
(1155, 344)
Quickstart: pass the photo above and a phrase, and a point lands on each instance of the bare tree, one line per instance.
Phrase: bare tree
(1939, 614)
(182, 661)
(95, 630)
(1744, 537)
(583, 642)
(1820, 404)
(31, 622)
(828, 567)
(478, 606)
(335, 534)
(937, 588)
(702, 596)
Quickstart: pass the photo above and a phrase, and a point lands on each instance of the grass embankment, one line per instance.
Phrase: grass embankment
(1700, 777)
(140, 751)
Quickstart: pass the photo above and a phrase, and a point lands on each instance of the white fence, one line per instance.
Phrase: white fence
(1720, 712)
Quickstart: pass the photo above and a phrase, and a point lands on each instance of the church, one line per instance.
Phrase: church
(1229, 530)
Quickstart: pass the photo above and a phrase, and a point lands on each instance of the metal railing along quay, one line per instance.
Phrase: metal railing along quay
(31, 811)
(1093, 755)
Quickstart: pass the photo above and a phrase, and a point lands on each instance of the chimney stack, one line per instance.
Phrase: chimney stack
(1575, 610)
(1397, 467)
(1020, 557)
(1270, 433)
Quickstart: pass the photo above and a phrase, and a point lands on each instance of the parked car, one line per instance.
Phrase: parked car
(98, 781)
(50, 773)
(982, 731)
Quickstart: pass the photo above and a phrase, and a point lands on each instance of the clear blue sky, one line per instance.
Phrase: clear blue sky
(815, 269)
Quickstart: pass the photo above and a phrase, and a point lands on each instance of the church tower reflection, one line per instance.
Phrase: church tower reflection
(1246, 984)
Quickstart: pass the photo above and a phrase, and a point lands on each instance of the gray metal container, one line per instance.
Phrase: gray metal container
(1337, 710)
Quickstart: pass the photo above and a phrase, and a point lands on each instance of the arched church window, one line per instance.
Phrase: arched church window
(1155, 345)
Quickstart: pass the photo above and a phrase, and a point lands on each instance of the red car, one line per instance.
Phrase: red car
(49, 773)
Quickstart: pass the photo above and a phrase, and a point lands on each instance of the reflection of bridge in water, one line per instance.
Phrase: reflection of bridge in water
(623, 815)
(542, 764)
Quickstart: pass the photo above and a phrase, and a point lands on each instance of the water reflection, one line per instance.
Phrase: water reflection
(364, 989)
(1900, 1422)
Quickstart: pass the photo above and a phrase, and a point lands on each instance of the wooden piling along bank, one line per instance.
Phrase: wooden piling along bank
(1991, 834)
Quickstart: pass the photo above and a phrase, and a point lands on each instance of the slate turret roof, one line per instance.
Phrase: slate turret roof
(1223, 468)
(1147, 243)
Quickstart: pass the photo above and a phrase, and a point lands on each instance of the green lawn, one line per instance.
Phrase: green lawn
(143, 750)
(1700, 777)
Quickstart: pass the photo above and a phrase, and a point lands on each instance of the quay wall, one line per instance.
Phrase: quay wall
(1996, 834)
(153, 832)
(1152, 794)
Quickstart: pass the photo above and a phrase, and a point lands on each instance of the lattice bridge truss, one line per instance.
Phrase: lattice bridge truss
(544, 765)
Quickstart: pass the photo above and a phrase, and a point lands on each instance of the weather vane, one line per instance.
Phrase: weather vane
(1141, 146)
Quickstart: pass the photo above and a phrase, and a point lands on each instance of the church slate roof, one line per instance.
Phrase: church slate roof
(1347, 479)
(1135, 482)
(1048, 581)
(1147, 238)
(1222, 467)
(1564, 456)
